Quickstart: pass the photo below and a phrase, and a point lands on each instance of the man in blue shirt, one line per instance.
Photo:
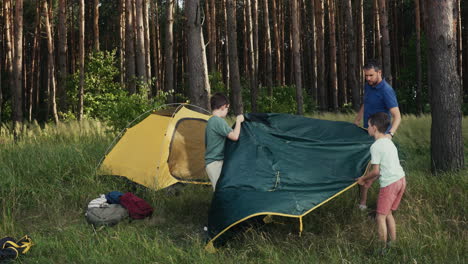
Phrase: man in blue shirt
(379, 96)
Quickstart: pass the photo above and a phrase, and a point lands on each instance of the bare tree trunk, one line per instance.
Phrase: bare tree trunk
(352, 57)
(155, 44)
(254, 11)
(297, 57)
(360, 44)
(277, 42)
(233, 58)
(18, 66)
(387, 66)
(130, 47)
(168, 47)
(252, 55)
(269, 64)
(465, 52)
(50, 62)
(140, 44)
(378, 42)
(446, 130)
(62, 55)
(342, 94)
(459, 40)
(226, 50)
(313, 52)
(418, 57)
(147, 43)
(82, 57)
(8, 43)
(122, 42)
(333, 71)
(35, 62)
(319, 22)
(96, 24)
(199, 86)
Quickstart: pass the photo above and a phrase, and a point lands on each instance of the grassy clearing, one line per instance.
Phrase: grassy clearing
(48, 178)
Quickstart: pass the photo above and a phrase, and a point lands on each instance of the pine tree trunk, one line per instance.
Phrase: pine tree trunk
(296, 47)
(313, 51)
(96, 24)
(62, 55)
(140, 44)
(130, 47)
(446, 130)
(465, 51)
(35, 62)
(269, 64)
(255, 41)
(122, 42)
(333, 70)
(227, 75)
(168, 47)
(82, 57)
(277, 42)
(352, 57)
(18, 66)
(360, 44)
(387, 68)
(418, 57)
(234, 77)
(342, 94)
(147, 43)
(252, 55)
(319, 23)
(155, 45)
(8, 42)
(378, 42)
(459, 40)
(199, 86)
(50, 62)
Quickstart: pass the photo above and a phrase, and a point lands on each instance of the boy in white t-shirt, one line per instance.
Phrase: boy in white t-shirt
(385, 166)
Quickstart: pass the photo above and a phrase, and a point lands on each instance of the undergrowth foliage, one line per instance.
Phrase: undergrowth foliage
(48, 177)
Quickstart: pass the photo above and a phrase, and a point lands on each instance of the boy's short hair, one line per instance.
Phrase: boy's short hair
(217, 100)
(372, 64)
(381, 120)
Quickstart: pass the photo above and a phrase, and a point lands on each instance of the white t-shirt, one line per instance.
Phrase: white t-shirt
(384, 153)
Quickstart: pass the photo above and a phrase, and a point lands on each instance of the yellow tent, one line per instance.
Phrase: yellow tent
(166, 147)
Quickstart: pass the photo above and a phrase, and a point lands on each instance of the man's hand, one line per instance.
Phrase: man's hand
(240, 118)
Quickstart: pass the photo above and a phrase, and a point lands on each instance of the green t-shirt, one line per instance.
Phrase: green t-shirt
(384, 153)
(215, 136)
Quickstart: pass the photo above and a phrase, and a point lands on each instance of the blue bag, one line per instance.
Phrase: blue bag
(113, 197)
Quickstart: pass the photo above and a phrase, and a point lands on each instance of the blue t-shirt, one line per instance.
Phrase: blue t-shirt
(378, 99)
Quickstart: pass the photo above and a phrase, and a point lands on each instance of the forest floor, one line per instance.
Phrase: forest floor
(48, 178)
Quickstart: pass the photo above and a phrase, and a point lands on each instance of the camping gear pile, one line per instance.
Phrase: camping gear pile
(115, 206)
(11, 248)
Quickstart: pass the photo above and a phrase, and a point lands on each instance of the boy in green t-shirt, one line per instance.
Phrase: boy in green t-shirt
(217, 130)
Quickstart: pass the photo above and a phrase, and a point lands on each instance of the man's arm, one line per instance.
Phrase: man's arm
(374, 172)
(396, 119)
(234, 135)
(359, 116)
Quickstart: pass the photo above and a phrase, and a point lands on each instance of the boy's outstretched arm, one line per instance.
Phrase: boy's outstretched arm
(234, 135)
(373, 173)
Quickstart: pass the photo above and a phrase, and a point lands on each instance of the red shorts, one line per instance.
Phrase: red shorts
(390, 196)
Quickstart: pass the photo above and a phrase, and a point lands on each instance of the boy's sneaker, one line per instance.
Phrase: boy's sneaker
(362, 207)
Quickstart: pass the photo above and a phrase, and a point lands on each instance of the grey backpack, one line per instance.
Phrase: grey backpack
(109, 215)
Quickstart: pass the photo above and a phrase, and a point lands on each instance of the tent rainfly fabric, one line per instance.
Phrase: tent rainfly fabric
(285, 165)
(166, 147)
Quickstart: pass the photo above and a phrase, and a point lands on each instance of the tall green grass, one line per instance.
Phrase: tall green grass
(48, 177)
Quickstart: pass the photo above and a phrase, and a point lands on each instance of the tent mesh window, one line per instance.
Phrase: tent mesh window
(187, 151)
